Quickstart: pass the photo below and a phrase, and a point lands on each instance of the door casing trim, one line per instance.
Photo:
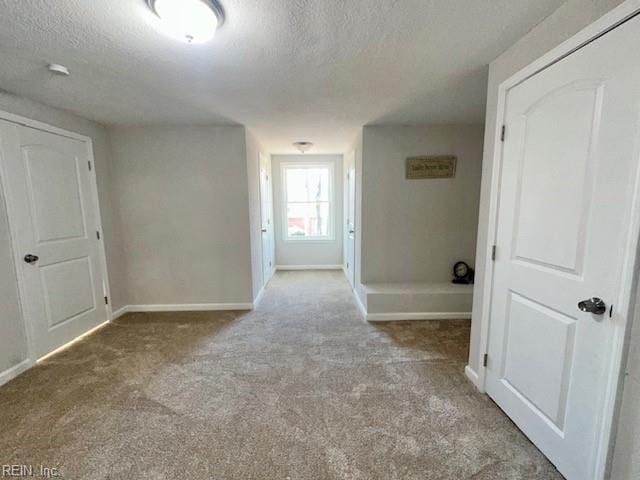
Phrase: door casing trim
(629, 277)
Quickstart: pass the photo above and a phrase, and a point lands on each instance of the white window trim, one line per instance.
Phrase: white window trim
(332, 202)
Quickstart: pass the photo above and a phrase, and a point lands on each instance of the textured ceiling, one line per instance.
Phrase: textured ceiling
(288, 69)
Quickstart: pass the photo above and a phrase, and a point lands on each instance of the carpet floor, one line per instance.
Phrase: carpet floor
(301, 388)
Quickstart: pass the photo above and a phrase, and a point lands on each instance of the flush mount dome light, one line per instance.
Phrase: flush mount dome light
(192, 21)
(303, 147)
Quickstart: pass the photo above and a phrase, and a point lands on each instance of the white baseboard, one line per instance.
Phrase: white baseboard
(258, 298)
(473, 376)
(308, 267)
(360, 304)
(14, 371)
(392, 317)
(190, 307)
(120, 312)
(187, 307)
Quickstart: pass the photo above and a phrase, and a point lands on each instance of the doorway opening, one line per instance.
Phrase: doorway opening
(311, 211)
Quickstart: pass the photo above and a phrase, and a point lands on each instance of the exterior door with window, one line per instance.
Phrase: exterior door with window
(53, 218)
(569, 166)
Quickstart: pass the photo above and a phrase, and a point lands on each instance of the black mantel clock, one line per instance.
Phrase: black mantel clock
(463, 274)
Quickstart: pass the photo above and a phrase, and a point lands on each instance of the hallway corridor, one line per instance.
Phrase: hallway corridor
(301, 388)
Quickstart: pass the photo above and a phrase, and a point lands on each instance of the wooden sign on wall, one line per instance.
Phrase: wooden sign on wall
(433, 166)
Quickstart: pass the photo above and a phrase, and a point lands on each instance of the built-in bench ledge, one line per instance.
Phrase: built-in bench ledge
(417, 301)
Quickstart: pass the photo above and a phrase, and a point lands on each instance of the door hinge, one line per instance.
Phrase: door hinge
(106, 300)
(503, 133)
(89, 163)
(347, 265)
(494, 251)
(485, 360)
(98, 234)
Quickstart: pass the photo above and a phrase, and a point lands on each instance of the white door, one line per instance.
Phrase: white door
(569, 164)
(350, 215)
(266, 212)
(54, 226)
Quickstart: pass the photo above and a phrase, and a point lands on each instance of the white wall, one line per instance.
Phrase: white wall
(415, 230)
(183, 198)
(255, 223)
(307, 253)
(12, 328)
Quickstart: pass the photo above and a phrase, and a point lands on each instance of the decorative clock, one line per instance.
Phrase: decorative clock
(463, 274)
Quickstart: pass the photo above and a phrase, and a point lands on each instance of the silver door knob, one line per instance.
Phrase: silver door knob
(594, 305)
(264, 230)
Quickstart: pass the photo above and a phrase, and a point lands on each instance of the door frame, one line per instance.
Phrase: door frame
(346, 214)
(267, 158)
(628, 278)
(45, 127)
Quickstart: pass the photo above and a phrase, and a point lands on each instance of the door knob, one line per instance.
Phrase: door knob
(264, 230)
(31, 258)
(594, 305)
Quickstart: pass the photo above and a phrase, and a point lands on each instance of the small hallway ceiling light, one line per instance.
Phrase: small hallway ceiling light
(304, 147)
(192, 21)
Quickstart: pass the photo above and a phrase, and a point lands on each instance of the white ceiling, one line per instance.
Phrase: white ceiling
(290, 70)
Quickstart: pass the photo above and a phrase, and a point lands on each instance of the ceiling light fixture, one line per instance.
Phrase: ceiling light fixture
(192, 21)
(303, 146)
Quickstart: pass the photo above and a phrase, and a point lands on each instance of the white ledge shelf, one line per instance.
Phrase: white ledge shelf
(417, 301)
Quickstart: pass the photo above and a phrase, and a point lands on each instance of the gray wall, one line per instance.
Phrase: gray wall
(12, 340)
(415, 230)
(183, 198)
(307, 253)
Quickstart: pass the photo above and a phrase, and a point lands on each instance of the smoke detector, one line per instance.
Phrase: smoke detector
(58, 69)
(303, 147)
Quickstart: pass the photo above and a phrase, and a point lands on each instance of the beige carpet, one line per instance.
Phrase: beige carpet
(302, 388)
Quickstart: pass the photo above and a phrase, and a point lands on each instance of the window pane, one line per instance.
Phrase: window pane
(308, 219)
(307, 184)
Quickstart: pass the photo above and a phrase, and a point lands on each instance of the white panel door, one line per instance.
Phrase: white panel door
(350, 211)
(266, 213)
(53, 221)
(569, 164)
